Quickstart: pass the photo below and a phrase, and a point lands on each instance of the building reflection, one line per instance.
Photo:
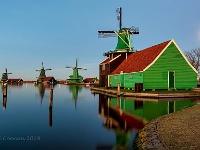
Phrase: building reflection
(75, 89)
(125, 116)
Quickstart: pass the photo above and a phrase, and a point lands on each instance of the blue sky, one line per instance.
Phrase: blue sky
(57, 32)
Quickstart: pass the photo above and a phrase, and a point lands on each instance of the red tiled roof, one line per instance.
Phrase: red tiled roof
(138, 61)
(87, 80)
(14, 80)
(47, 78)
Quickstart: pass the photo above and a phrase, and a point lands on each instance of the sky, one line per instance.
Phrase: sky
(56, 32)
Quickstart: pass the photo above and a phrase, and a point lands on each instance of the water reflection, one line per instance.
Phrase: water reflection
(75, 89)
(50, 106)
(118, 120)
(42, 87)
(4, 89)
(59, 125)
(125, 116)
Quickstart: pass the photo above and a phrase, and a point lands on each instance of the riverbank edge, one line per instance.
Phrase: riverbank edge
(145, 95)
(148, 137)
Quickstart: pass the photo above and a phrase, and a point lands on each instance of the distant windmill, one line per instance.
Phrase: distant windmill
(5, 76)
(42, 73)
(124, 35)
(76, 78)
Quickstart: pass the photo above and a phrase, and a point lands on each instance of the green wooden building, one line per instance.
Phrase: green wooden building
(162, 66)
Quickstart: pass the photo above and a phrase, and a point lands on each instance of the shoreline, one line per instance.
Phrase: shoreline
(111, 92)
(178, 130)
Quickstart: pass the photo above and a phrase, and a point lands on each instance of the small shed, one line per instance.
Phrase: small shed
(162, 66)
(49, 79)
(11, 80)
(89, 80)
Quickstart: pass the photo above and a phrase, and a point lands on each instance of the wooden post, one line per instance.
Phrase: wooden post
(4, 89)
(4, 95)
(118, 89)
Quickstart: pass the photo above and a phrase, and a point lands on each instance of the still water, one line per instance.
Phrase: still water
(72, 118)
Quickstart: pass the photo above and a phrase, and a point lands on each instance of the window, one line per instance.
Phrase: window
(130, 76)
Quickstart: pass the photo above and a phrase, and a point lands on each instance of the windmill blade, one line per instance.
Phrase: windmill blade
(42, 65)
(37, 70)
(48, 69)
(105, 34)
(69, 67)
(7, 71)
(134, 30)
(81, 68)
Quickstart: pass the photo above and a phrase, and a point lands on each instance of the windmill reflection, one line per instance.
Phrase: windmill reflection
(42, 87)
(75, 89)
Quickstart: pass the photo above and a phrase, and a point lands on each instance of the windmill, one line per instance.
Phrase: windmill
(75, 78)
(124, 35)
(42, 73)
(5, 76)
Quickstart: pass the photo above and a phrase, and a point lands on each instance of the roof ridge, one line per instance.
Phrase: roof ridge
(157, 45)
(146, 56)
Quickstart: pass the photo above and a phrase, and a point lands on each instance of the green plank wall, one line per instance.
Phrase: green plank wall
(156, 77)
(132, 78)
(126, 80)
(115, 79)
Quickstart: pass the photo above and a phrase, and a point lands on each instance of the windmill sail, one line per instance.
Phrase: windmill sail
(124, 35)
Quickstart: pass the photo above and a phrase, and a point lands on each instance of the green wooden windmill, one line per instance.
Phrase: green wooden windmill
(42, 74)
(75, 78)
(5, 76)
(124, 35)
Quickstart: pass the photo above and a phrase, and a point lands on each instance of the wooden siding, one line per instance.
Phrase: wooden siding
(156, 77)
(115, 79)
(106, 68)
(126, 80)
(132, 78)
(103, 73)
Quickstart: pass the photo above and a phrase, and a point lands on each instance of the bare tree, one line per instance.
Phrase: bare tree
(193, 57)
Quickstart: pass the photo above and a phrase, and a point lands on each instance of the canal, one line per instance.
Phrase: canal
(71, 117)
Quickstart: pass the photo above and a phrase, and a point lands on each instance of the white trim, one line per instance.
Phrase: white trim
(110, 60)
(108, 80)
(127, 73)
(184, 56)
(163, 52)
(157, 57)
